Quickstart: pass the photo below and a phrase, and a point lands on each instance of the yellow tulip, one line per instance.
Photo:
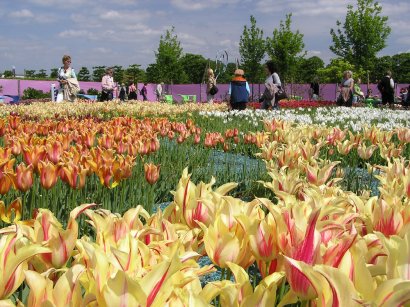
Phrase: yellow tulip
(7, 212)
(61, 242)
(65, 292)
(13, 262)
(365, 152)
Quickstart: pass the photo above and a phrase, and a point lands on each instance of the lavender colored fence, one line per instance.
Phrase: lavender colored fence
(327, 91)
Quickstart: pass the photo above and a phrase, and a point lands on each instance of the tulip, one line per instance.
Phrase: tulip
(151, 172)
(75, 175)
(65, 292)
(13, 261)
(23, 178)
(2, 127)
(403, 134)
(54, 151)
(6, 175)
(7, 212)
(318, 176)
(33, 155)
(365, 152)
(14, 122)
(306, 250)
(61, 242)
(224, 245)
(48, 174)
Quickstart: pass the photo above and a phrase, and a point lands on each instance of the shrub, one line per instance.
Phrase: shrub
(92, 91)
(32, 93)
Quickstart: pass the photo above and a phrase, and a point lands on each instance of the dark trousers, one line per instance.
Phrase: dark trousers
(106, 95)
(238, 106)
(387, 98)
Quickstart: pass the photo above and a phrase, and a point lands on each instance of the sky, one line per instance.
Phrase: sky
(35, 34)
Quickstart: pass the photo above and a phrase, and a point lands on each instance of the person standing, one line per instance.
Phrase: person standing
(238, 91)
(69, 85)
(159, 91)
(210, 83)
(123, 92)
(314, 89)
(108, 85)
(346, 90)
(358, 95)
(132, 91)
(144, 92)
(386, 88)
(272, 84)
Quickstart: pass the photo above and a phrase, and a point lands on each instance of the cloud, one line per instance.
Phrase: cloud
(310, 53)
(75, 34)
(194, 5)
(22, 14)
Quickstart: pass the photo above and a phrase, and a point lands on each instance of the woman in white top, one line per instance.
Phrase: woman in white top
(108, 85)
(68, 80)
(346, 90)
(273, 78)
(211, 82)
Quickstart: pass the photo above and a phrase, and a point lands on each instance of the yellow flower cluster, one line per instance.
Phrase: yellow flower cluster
(109, 109)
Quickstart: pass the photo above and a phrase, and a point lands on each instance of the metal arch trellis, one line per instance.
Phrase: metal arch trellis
(221, 61)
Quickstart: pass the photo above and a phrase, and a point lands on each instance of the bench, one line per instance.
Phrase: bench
(169, 99)
(187, 98)
(88, 97)
(15, 98)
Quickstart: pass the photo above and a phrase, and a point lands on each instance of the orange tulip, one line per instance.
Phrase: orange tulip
(54, 151)
(6, 172)
(48, 174)
(23, 178)
(2, 127)
(14, 122)
(75, 175)
(151, 172)
(33, 154)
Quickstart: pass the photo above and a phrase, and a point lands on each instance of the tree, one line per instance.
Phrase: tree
(401, 67)
(252, 50)
(168, 59)
(153, 74)
(53, 73)
(29, 74)
(333, 73)
(379, 68)
(118, 74)
(134, 73)
(98, 73)
(285, 48)
(84, 74)
(42, 74)
(307, 69)
(194, 66)
(362, 35)
(8, 74)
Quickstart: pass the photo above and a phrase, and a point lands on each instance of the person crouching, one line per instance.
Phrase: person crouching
(238, 91)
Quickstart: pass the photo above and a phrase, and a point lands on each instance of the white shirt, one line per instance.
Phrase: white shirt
(159, 89)
(274, 78)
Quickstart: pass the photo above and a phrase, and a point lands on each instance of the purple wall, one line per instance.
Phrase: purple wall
(327, 91)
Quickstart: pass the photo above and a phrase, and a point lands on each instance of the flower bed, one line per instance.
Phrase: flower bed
(296, 104)
(302, 224)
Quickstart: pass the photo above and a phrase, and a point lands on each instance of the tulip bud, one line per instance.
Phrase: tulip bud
(24, 177)
(151, 172)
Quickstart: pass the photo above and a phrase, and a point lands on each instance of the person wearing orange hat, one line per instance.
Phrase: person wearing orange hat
(238, 91)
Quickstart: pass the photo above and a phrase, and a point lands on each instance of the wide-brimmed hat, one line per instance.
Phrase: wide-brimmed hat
(239, 72)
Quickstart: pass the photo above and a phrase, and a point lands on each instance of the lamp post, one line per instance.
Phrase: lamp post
(13, 69)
